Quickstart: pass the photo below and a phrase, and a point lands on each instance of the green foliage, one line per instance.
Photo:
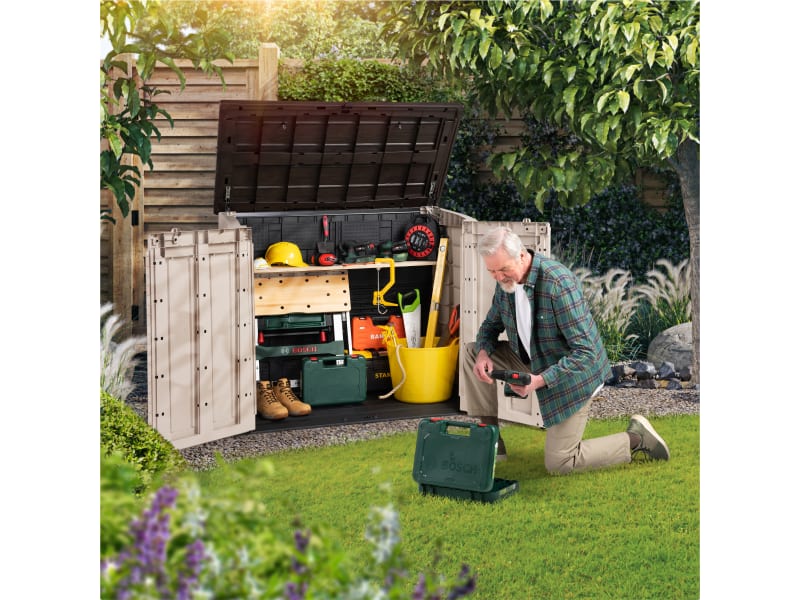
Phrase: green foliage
(149, 33)
(623, 77)
(122, 430)
(219, 541)
(120, 487)
(330, 30)
(326, 29)
(465, 191)
(349, 80)
(619, 231)
(614, 230)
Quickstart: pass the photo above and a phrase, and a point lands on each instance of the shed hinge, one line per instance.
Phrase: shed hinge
(134, 218)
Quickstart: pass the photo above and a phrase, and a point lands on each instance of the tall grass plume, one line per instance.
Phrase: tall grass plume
(117, 358)
(613, 303)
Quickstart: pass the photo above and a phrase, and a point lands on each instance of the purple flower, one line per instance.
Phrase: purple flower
(419, 589)
(149, 551)
(301, 540)
(466, 587)
(195, 553)
(295, 592)
(146, 559)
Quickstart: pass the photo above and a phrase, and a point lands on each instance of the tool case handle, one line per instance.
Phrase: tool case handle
(446, 424)
(336, 362)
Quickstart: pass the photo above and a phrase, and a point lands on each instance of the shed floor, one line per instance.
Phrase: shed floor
(372, 410)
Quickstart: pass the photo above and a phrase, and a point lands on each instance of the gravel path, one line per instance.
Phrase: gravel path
(613, 402)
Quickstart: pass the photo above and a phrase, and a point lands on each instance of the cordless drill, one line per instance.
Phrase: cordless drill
(515, 377)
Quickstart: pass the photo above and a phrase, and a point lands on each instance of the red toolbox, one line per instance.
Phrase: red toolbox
(369, 336)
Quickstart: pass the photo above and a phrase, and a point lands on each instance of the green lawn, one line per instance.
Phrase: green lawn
(627, 532)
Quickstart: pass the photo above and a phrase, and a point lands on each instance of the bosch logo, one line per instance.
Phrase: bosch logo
(458, 467)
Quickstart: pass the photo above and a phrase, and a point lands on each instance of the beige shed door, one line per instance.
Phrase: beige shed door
(201, 338)
(476, 299)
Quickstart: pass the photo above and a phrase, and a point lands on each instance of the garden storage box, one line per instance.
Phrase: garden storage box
(456, 460)
(374, 172)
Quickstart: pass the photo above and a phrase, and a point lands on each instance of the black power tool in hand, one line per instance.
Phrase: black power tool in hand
(515, 377)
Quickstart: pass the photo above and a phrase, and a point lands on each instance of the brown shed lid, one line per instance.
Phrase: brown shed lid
(285, 156)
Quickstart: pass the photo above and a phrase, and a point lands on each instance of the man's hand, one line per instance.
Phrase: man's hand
(483, 366)
(537, 381)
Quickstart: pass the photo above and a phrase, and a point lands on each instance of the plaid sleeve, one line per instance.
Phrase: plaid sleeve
(574, 322)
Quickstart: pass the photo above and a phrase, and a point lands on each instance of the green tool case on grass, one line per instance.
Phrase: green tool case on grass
(456, 460)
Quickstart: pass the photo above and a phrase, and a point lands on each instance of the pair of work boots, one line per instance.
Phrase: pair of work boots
(279, 401)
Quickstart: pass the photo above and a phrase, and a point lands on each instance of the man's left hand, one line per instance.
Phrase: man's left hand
(537, 381)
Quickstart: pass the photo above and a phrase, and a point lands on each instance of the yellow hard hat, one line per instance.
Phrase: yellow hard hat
(284, 253)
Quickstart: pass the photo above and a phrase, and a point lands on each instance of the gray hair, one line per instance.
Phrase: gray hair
(501, 237)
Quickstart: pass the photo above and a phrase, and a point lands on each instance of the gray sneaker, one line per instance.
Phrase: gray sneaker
(652, 444)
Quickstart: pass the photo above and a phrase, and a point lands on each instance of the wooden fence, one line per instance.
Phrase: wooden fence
(179, 190)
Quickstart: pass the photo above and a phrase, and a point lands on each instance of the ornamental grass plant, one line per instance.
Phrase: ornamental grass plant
(628, 315)
(613, 303)
(117, 358)
(666, 300)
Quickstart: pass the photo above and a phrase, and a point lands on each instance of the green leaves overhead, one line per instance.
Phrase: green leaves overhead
(621, 76)
(148, 35)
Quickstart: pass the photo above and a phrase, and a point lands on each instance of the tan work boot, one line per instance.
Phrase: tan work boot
(268, 405)
(287, 398)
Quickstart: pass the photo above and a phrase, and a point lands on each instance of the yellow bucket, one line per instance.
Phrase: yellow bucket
(429, 372)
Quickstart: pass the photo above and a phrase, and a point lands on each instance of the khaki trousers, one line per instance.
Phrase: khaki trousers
(564, 449)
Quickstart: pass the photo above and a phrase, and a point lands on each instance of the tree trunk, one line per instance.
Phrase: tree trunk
(687, 165)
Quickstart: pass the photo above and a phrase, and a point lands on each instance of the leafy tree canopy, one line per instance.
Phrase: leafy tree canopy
(613, 83)
(305, 29)
(622, 76)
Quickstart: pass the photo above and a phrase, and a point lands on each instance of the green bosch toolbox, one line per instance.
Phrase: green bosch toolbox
(456, 460)
(338, 379)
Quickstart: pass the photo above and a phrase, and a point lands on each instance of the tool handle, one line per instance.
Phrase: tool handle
(515, 377)
(325, 230)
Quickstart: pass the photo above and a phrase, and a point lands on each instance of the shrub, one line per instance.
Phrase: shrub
(619, 231)
(350, 80)
(186, 544)
(124, 431)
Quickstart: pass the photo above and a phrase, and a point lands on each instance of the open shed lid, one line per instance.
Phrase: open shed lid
(284, 156)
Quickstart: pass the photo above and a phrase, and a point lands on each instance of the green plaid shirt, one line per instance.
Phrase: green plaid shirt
(566, 348)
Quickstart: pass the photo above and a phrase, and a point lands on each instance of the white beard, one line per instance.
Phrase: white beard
(508, 288)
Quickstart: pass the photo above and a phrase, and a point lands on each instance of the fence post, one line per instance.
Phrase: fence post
(127, 252)
(268, 55)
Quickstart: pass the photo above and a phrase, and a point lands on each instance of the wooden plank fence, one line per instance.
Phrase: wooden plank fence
(179, 190)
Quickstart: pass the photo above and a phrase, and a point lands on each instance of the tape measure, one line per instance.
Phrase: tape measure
(422, 237)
